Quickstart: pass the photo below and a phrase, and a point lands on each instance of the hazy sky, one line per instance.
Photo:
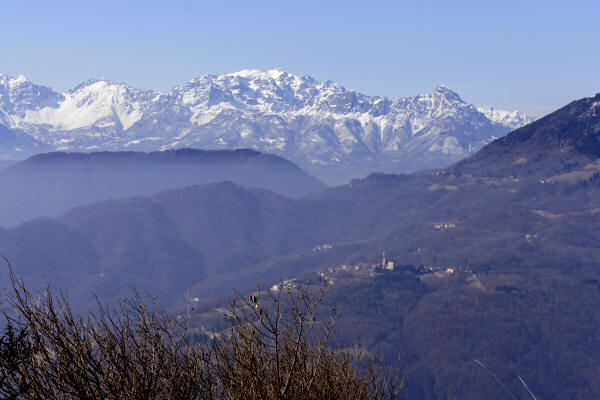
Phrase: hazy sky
(529, 55)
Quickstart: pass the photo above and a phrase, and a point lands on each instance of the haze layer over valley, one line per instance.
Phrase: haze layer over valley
(52, 183)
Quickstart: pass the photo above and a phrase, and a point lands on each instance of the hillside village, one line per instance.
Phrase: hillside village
(332, 276)
(365, 270)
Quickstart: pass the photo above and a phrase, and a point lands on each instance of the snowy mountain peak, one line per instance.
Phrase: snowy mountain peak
(12, 81)
(444, 92)
(260, 73)
(443, 89)
(510, 119)
(17, 80)
(98, 82)
(18, 96)
(101, 84)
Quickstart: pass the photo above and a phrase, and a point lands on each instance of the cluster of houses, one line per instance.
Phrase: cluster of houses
(329, 276)
(444, 225)
(322, 247)
(287, 284)
(359, 270)
(367, 270)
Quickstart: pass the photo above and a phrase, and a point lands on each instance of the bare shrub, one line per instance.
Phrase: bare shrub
(277, 346)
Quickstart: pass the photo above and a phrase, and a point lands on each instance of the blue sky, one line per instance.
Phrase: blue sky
(529, 55)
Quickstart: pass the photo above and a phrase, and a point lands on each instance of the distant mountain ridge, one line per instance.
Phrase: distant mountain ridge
(329, 130)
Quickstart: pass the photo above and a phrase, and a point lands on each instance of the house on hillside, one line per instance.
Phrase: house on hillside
(444, 225)
(386, 264)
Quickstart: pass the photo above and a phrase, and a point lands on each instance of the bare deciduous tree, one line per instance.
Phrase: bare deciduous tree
(278, 347)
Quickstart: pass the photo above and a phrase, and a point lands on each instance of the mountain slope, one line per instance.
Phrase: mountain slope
(15, 144)
(565, 141)
(331, 131)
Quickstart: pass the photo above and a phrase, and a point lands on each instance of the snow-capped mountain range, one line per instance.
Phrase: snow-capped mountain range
(333, 132)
